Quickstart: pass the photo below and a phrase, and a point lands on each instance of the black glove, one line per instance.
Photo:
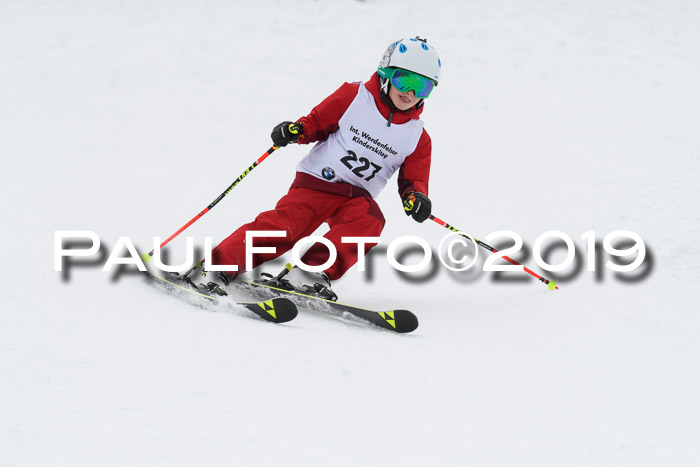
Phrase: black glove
(285, 133)
(418, 205)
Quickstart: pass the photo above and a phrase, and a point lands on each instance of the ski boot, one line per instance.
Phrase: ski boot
(292, 279)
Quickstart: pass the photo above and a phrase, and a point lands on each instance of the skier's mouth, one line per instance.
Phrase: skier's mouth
(405, 99)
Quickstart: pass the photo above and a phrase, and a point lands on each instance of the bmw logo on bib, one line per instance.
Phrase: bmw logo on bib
(328, 173)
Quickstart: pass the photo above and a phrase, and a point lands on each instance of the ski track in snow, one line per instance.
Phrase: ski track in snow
(128, 118)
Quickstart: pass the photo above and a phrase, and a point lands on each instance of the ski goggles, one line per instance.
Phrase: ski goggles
(405, 81)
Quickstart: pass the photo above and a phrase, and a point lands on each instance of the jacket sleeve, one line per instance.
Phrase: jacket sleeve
(415, 171)
(323, 119)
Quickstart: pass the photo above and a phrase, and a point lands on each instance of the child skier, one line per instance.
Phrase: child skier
(365, 132)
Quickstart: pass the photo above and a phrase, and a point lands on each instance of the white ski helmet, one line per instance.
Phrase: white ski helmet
(414, 55)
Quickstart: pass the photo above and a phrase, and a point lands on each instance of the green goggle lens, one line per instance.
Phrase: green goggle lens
(405, 81)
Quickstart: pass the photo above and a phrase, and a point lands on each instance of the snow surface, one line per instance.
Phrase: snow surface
(127, 118)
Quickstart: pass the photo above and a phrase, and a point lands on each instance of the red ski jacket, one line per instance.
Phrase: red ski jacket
(323, 120)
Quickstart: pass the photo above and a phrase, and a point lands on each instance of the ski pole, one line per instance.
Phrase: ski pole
(147, 256)
(551, 284)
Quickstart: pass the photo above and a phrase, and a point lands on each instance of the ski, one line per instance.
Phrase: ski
(275, 310)
(401, 321)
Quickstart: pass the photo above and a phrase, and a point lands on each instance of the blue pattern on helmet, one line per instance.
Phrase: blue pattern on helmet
(403, 48)
(424, 45)
(439, 63)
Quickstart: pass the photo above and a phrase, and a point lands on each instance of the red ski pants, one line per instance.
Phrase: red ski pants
(299, 213)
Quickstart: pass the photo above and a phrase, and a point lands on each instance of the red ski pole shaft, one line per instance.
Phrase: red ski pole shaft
(147, 256)
(549, 283)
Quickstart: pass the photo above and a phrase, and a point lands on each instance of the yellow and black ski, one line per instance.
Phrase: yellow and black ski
(401, 321)
(276, 310)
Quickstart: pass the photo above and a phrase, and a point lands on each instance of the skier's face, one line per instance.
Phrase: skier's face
(402, 100)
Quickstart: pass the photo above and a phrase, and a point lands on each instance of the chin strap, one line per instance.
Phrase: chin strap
(384, 95)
